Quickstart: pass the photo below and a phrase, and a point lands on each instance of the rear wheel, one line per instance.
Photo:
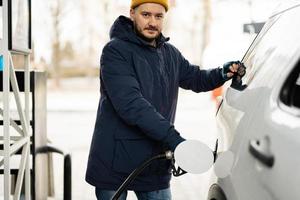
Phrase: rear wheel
(216, 193)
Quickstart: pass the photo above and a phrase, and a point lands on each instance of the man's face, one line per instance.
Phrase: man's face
(148, 20)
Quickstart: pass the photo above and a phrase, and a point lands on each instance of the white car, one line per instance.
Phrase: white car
(260, 123)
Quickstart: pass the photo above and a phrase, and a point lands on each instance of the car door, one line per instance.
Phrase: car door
(264, 137)
(275, 152)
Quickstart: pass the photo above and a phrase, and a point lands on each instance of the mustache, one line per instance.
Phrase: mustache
(151, 28)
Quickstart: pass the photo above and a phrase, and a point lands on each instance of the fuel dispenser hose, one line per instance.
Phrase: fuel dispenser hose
(167, 155)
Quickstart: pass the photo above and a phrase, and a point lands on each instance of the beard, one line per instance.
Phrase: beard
(140, 34)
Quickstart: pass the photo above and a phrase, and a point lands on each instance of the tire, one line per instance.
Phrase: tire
(216, 193)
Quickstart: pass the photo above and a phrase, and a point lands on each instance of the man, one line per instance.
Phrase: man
(140, 76)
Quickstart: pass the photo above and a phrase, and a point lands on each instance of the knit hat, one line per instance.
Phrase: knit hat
(135, 3)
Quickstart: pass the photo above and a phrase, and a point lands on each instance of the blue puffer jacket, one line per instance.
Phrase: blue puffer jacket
(139, 89)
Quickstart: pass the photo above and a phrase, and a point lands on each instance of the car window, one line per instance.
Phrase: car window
(261, 34)
(248, 57)
(296, 93)
(277, 46)
(290, 93)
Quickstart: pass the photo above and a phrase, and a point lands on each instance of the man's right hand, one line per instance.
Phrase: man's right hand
(173, 140)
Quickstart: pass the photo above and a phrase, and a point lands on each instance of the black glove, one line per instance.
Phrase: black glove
(173, 140)
(237, 82)
(226, 69)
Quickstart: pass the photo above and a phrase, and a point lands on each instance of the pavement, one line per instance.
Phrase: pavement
(71, 117)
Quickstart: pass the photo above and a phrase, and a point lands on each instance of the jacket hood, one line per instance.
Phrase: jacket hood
(123, 29)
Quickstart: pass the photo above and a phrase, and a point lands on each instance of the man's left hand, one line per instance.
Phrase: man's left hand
(229, 69)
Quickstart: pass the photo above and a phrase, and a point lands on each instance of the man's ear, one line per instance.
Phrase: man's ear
(132, 14)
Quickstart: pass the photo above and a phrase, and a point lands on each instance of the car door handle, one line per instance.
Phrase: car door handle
(260, 153)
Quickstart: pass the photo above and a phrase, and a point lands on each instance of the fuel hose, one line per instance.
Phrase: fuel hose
(167, 155)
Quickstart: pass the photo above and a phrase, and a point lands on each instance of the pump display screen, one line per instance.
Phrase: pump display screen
(19, 25)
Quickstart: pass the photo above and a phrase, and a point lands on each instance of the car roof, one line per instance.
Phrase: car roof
(285, 6)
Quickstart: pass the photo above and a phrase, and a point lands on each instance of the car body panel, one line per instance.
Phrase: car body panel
(256, 114)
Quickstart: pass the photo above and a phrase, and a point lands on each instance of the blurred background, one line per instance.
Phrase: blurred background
(67, 40)
(68, 35)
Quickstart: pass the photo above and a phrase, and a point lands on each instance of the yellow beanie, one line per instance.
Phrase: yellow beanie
(135, 3)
